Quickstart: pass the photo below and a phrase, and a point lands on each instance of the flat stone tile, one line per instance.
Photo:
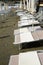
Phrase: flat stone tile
(38, 34)
(41, 57)
(14, 59)
(24, 35)
(27, 22)
(29, 58)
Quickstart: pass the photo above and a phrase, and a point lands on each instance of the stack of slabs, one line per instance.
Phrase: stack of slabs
(28, 34)
(20, 13)
(27, 20)
(27, 58)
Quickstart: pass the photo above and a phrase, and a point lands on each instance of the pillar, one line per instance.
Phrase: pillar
(33, 8)
(5, 6)
(20, 3)
(27, 4)
(24, 4)
(0, 7)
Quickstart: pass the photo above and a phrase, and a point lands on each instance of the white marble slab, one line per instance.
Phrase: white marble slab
(34, 28)
(22, 23)
(22, 35)
(29, 58)
(40, 55)
(14, 60)
(41, 58)
(20, 13)
(27, 22)
(24, 17)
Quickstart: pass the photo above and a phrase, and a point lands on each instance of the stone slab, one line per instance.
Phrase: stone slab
(41, 57)
(37, 35)
(29, 58)
(24, 35)
(14, 60)
(27, 22)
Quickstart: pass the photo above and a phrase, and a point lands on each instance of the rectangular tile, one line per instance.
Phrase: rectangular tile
(23, 35)
(38, 34)
(41, 57)
(13, 60)
(29, 58)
